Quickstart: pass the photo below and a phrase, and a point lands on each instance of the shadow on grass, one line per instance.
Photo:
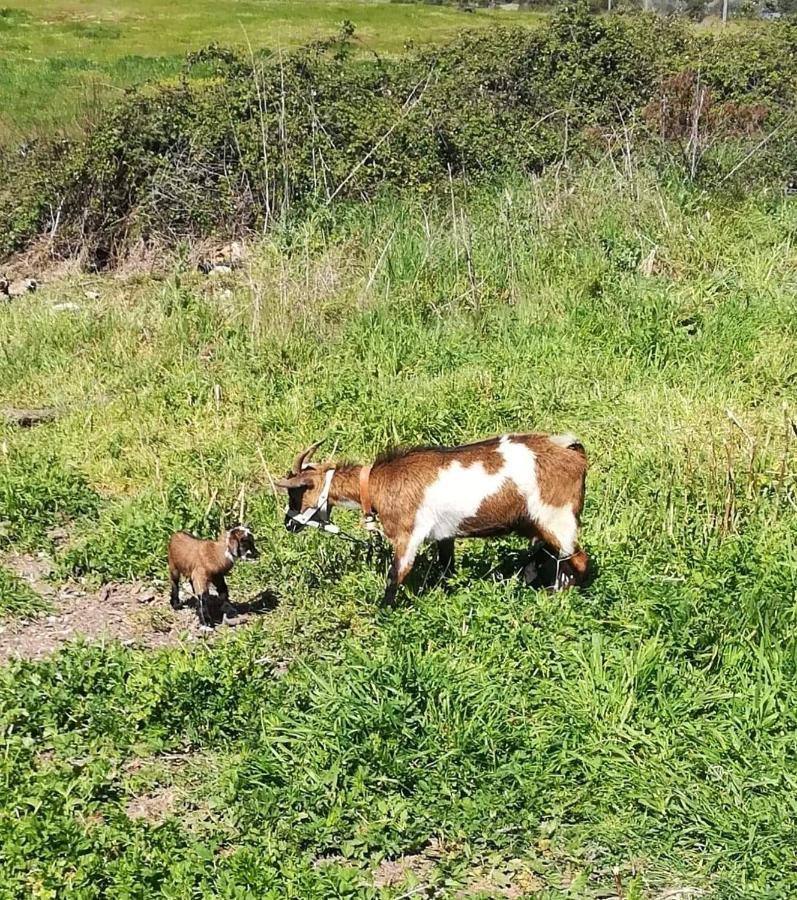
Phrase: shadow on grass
(264, 602)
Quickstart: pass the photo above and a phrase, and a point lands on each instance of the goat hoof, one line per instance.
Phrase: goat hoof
(530, 574)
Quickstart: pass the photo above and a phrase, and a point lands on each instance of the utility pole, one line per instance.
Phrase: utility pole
(724, 12)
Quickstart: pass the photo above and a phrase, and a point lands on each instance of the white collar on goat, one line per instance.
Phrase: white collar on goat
(306, 518)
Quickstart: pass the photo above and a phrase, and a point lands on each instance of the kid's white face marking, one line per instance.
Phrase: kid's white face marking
(458, 492)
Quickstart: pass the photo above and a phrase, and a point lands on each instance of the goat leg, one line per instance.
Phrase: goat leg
(203, 609)
(530, 573)
(214, 609)
(445, 556)
(389, 598)
(403, 559)
(226, 610)
(174, 594)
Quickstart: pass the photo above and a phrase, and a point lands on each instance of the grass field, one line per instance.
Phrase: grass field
(492, 740)
(62, 60)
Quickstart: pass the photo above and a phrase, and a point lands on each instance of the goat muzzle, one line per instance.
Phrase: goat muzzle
(316, 516)
(293, 522)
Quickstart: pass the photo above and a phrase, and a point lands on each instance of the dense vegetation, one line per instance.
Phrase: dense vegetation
(260, 139)
(695, 9)
(582, 227)
(513, 737)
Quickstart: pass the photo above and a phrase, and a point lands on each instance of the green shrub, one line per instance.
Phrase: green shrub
(239, 143)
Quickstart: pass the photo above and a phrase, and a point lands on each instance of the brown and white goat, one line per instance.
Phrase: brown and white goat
(205, 563)
(529, 484)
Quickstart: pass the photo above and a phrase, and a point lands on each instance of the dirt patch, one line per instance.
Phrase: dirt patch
(170, 762)
(502, 885)
(504, 879)
(152, 785)
(153, 808)
(37, 262)
(331, 859)
(134, 613)
(32, 569)
(681, 893)
(91, 820)
(27, 418)
(416, 867)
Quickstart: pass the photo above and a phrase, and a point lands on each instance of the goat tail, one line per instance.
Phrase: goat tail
(569, 441)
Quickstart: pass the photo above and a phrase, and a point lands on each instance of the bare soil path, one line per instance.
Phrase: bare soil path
(133, 613)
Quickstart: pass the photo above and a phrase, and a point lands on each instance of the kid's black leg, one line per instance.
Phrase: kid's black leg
(174, 595)
(225, 607)
(203, 609)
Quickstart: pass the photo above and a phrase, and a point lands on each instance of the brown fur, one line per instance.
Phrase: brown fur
(400, 477)
(205, 563)
(499, 514)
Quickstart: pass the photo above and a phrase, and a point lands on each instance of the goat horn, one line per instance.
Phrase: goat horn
(302, 458)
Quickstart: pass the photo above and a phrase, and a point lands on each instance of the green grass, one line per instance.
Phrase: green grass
(62, 61)
(647, 724)
(16, 598)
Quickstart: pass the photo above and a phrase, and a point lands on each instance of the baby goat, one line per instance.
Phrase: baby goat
(529, 484)
(205, 563)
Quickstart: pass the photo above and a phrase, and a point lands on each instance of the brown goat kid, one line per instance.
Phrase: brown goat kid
(205, 563)
(528, 484)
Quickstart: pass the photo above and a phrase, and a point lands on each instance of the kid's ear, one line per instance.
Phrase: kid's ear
(303, 479)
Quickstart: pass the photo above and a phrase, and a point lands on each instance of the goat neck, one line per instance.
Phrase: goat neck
(345, 488)
(223, 556)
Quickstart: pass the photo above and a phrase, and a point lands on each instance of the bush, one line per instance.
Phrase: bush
(239, 143)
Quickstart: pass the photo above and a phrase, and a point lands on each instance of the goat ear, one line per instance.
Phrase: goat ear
(303, 479)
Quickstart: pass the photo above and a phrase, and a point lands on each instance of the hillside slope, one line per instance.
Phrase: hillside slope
(490, 739)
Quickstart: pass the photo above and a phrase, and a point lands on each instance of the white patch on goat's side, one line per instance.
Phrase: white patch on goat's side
(459, 491)
(454, 496)
(521, 467)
